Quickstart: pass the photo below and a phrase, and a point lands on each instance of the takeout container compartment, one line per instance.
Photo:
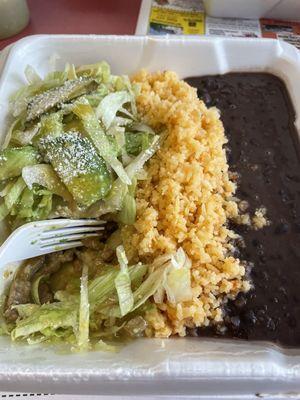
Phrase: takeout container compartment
(281, 9)
(186, 366)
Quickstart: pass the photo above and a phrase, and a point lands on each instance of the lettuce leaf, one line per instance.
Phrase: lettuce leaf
(46, 320)
(32, 76)
(11, 194)
(44, 175)
(177, 280)
(84, 111)
(123, 283)
(114, 201)
(84, 312)
(103, 346)
(147, 289)
(102, 287)
(4, 329)
(25, 207)
(127, 214)
(100, 70)
(109, 106)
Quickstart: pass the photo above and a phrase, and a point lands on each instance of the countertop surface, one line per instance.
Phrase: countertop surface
(79, 16)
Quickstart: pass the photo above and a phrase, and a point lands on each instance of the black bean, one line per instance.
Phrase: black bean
(235, 321)
(240, 301)
(281, 228)
(271, 324)
(206, 98)
(250, 317)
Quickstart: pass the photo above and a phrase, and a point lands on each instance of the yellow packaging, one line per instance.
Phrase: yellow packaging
(184, 22)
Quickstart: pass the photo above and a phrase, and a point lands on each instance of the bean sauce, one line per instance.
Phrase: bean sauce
(263, 149)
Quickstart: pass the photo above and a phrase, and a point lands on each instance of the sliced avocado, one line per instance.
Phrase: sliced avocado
(43, 102)
(78, 165)
(13, 160)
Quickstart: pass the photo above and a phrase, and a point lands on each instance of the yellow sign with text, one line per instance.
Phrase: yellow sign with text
(165, 20)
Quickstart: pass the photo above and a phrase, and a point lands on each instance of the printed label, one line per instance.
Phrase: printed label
(173, 21)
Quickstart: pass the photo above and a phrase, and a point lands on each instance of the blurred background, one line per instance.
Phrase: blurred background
(240, 18)
(77, 16)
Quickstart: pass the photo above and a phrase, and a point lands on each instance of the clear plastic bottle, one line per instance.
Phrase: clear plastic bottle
(14, 16)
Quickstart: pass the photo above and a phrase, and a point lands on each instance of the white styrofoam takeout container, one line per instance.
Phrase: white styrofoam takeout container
(281, 9)
(187, 366)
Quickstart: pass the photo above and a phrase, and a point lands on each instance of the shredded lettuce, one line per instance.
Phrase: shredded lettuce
(89, 102)
(84, 313)
(4, 330)
(76, 148)
(26, 310)
(71, 71)
(44, 175)
(32, 76)
(17, 126)
(114, 201)
(147, 289)
(140, 127)
(138, 163)
(119, 134)
(107, 297)
(103, 286)
(178, 283)
(43, 207)
(177, 280)
(22, 138)
(123, 283)
(100, 70)
(114, 240)
(127, 214)
(25, 208)
(47, 319)
(109, 106)
(133, 91)
(103, 346)
(84, 111)
(11, 193)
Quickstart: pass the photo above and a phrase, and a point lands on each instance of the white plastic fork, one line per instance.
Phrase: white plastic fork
(43, 237)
